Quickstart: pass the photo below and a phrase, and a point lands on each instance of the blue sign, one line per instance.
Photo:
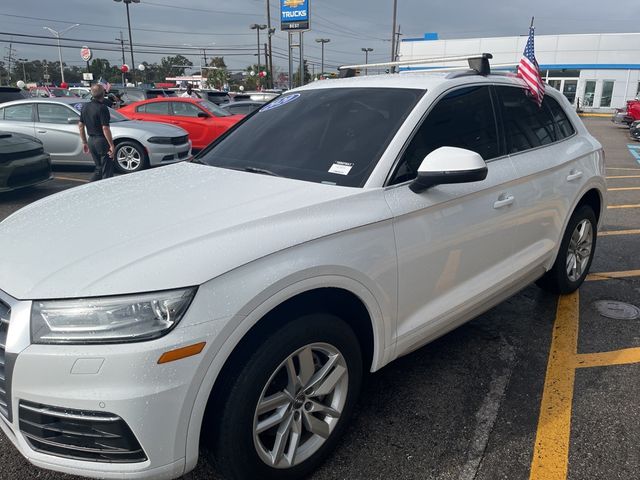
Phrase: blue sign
(294, 14)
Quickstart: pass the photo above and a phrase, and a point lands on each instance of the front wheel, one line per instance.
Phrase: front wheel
(129, 157)
(575, 255)
(289, 402)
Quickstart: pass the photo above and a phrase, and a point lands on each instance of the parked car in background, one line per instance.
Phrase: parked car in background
(634, 130)
(8, 94)
(628, 115)
(82, 92)
(244, 107)
(214, 96)
(203, 120)
(256, 96)
(51, 92)
(23, 161)
(55, 123)
(237, 301)
(132, 95)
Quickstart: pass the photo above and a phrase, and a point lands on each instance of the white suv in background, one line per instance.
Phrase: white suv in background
(241, 298)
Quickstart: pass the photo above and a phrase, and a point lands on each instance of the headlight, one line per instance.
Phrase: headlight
(117, 319)
(161, 140)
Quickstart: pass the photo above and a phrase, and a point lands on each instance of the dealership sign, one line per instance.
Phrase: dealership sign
(85, 53)
(294, 14)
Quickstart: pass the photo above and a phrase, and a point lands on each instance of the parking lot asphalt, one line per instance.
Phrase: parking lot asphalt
(538, 388)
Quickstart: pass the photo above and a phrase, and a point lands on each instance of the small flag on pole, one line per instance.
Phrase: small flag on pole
(529, 71)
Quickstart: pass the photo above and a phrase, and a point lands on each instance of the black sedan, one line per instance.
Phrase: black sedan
(23, 161)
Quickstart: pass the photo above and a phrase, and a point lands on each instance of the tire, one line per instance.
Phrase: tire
(130, 157)
(560, 279)
(238, 450)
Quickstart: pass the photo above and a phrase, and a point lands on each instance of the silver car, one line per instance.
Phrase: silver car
(55, 123)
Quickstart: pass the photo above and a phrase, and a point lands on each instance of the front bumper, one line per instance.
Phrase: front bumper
(621, 118)
(153, 401)
(25, 172)
(160, 154)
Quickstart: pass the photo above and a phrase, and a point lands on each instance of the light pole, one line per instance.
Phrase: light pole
(270, 32)
(257, 28)
(24, 72)
(58, 35)
(133, 63)
(393, 35)
(322, 41)
(366, 57)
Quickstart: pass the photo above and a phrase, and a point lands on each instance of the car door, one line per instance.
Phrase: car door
(153, 112)
(201, 129)
(61, 139)
(18, 118)
(453, 241)
(548, 167)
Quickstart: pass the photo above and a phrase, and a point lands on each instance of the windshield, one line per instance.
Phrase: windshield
(333, 135)
(214, 109)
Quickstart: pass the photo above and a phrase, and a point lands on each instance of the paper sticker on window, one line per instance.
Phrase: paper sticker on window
(341, 168)
(280, 102)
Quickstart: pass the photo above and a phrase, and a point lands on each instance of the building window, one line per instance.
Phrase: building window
(607, 93)
(589, 93)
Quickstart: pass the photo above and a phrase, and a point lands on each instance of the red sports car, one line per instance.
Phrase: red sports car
(204, 120)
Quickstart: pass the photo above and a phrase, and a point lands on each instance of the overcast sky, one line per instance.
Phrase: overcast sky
(350, 24)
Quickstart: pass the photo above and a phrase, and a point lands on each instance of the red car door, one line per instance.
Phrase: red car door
(194, 120)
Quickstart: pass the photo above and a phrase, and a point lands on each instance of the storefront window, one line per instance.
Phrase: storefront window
(564, 73)
(589, 93)
(607, 93)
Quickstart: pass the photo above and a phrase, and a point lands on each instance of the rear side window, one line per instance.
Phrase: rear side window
(564, 127)
(19, 113)
(184, 109)
(464, 118)
(526, 125)
(156, 108)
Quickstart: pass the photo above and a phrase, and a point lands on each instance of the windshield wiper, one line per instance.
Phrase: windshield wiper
(261, 171)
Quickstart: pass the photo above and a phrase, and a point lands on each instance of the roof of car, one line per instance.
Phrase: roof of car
(171, 99)
(417, 79)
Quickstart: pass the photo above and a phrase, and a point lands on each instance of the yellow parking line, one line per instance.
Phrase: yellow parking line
(613, 207)
(551, 451)
(594, 277)
(622, 189)
(71, 179)
(623, 176)
(618, 232)
(625, 356)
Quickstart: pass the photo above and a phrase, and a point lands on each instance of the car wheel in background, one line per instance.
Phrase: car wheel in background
(288, 403)
(575, 255)
(129, 157)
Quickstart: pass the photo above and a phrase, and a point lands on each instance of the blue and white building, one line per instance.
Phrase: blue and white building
(600, 71)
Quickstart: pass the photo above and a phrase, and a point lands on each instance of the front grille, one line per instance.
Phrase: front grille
(179, 140)
(78, 434)
(8, 157)
(5, 313)
(28, 175)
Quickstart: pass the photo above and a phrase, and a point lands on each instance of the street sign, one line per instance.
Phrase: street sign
(85, 53)
(46, 76)
(294, 15)
(87, 76)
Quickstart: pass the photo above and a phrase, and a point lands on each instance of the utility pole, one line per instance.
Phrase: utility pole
(9, 58)
(133, 63)
(204, 54)
(366, 58)
(270, 31)
(257, 28)
(322, 41)
(291, 45)
(266, 57)
(24, 71)
(301, 59)
(393, 34)
(121, 39)
(398, 34)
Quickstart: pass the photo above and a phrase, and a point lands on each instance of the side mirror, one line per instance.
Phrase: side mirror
(449, 165)
(203, 115)
(72, 120)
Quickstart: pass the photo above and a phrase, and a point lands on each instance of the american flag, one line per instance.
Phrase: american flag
(529, 71)
(106, 85)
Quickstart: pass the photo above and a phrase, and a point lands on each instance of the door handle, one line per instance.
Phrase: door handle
(42, 131)
(573, 175)
(504, 200)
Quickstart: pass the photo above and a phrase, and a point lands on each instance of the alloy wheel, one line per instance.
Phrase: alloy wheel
(129, 158)
(580, 247)
(300, 405)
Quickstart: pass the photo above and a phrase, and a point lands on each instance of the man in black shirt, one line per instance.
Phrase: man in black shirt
(95, 117)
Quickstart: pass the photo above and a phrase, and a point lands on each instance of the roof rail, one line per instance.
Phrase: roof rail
(478, 63)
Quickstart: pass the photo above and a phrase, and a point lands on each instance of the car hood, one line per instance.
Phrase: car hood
(171, 227)
(152, 128)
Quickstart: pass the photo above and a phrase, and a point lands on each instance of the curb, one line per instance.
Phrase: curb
(601, 115)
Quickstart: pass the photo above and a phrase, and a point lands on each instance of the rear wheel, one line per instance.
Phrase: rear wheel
(575, 255)
(129, 157)
(289, 402)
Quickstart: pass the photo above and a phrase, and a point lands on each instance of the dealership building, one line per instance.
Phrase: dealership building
(598, 71)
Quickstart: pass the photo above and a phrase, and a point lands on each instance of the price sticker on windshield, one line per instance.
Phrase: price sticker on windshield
(341, 168)
(279, 102)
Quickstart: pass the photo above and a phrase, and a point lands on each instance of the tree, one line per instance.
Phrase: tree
(217, 74)
(307, 75)
(173, 66)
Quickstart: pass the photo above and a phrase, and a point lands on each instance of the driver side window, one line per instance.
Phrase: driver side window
(463, 118)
